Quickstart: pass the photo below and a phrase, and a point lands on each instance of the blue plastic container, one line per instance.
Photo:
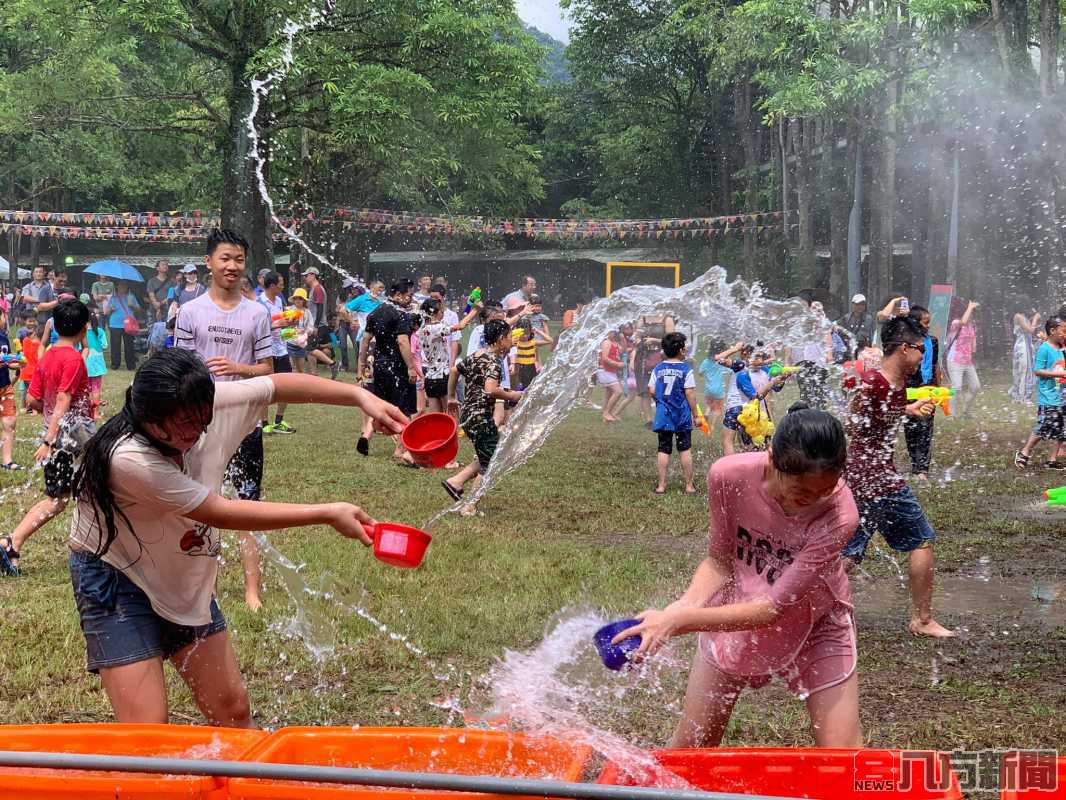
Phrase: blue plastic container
(616, 656)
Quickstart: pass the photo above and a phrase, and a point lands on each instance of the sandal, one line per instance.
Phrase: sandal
(1021, 460)
(11, 466)
(455, 494)
(658, 491)
(8, 555)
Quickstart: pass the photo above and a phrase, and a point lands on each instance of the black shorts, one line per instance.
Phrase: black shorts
(1050, 424)
(58, 474)
(666, 441)
(245, 470)
(525, 374)
(396, 389)
(484, 435)
(436, 387)
(282, 364)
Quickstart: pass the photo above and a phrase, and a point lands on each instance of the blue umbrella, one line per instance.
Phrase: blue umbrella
(119, 270)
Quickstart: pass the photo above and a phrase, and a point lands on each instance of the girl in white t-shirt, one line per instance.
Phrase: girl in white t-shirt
(434, 337)
(144, 539)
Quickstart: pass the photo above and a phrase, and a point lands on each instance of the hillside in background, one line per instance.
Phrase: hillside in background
(555, 63)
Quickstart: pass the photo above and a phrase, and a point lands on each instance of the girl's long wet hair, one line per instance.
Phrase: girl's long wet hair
(169, 382)
(809, 441)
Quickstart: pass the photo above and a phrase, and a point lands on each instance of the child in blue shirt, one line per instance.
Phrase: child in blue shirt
(714, 375)
(672, 384)
(750, 381)
(1049, 367)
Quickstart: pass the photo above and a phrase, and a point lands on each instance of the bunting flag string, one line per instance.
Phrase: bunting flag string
(185, 226)
(199, 234)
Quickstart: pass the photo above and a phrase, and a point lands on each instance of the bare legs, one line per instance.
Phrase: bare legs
(611, 394)
(663, 464)
(920, 578)
(8, 442)
(36, 518)
(711, 695)
(138, 692)
(253, 572)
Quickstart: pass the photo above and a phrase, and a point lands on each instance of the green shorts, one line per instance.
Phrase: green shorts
(484, 435)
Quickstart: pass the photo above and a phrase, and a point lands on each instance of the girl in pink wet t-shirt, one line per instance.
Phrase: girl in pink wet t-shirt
(772, 597)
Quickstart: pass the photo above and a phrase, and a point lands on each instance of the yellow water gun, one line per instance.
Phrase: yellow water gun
(941, 395)
(701, 421)
(755, 422)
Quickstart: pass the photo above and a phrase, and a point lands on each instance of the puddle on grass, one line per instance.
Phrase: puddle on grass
(971, 597)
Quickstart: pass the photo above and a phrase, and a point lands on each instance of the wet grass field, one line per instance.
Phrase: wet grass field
(579, 526)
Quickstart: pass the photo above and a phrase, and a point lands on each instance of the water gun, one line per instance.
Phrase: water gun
(472, 299)
(757, 425)
(289, 315)
(287, 334)
(777, 369)
(701, 421)
(518, 334)
(12, 360)
(1056, 497)
(938, 394)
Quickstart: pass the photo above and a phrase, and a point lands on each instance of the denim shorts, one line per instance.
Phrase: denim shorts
(117, 619)
(899, 518)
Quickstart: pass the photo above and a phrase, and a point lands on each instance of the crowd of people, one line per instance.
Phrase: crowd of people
(791, 515)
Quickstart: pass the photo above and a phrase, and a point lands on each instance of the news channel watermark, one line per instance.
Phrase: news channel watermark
(1029, 771)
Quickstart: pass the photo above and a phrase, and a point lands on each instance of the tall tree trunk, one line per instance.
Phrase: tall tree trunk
(742, 107)
(883, 200)
(833, 179)
(243, 207)
(1050, 33)
(805, 264)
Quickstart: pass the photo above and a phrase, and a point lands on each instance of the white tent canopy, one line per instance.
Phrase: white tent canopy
(5, 270)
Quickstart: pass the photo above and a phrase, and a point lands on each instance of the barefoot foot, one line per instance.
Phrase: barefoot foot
(929, 628)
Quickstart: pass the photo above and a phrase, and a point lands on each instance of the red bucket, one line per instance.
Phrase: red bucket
(432, 439)
(398, 545)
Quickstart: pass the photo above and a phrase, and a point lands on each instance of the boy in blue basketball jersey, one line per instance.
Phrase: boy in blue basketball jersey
(673, 385)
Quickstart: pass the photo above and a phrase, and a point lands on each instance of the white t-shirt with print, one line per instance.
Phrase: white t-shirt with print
(435, 339)
(241, 334)
(173, 559)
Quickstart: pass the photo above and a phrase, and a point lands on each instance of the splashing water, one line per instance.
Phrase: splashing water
(710, 305)
(260, 90)
(542, 692)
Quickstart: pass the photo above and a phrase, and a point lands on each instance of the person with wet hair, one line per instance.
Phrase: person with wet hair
(60, 390)
(772, 598)
(1049, 367)
(886, 503)
(672, 385)
(145, 540)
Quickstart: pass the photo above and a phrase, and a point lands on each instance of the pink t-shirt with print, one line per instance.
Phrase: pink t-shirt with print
(965, 342)
(792, 561)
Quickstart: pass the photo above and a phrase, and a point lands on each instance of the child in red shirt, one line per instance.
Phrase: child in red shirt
(60, 389)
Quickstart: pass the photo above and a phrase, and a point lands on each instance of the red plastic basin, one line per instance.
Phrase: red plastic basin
(432, 439)
(460, 751)
(831, 774)
(398, 545)
(157, 741)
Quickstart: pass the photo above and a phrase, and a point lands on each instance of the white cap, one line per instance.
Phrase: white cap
(859, 298)
(189, 268)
